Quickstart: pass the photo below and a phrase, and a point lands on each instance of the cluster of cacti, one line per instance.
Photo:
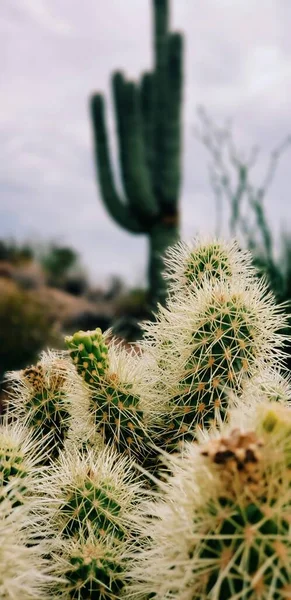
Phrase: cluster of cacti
(163, 471)
(148, 118)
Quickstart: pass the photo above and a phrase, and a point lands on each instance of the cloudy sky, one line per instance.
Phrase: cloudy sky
(56, 52)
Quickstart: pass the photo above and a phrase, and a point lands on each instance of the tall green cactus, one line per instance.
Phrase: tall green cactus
(148, 120)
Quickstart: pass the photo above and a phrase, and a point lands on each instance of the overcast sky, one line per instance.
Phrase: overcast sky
(56, 52)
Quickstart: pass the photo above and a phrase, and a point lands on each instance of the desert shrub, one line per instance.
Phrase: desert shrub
(25, 328)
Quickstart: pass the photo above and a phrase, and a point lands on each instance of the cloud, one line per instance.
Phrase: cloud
(37, 13)
(237, 64)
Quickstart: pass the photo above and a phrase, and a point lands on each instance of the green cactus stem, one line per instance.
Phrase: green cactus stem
(109, 374)
(93, 494)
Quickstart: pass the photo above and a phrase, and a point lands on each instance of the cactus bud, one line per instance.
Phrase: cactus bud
(89, 353)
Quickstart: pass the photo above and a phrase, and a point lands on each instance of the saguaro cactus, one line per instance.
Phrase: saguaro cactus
(148, 119)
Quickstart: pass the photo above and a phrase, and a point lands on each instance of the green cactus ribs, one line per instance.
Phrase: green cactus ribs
(89, 353)
(96, 504)
(148, 118)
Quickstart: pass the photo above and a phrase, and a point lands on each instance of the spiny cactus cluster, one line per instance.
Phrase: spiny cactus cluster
(20, 460)
(218, 260)
(163, 471)
(214, 334)
(221, 527)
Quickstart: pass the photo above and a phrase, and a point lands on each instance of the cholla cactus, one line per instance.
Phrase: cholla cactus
(94, 495)
(20, 457)
(221, 529)
(24, 534)
(111, 375)
(24, 571)
(189, 263)
(207, 345)
(94, 487)
(41, 398)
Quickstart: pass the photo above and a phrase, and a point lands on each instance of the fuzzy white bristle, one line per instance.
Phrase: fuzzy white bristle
(100, 470)
(21, 457)
(25, 573)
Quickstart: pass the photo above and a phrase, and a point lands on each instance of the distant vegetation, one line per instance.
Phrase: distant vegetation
(232, 182)
(45, 292)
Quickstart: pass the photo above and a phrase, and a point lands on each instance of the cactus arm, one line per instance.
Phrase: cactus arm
(118, 89)
(168, 101)
(147, 113)
(161, 25)
(136, 178)
(170, 157)
(118, 210)
(161, 18)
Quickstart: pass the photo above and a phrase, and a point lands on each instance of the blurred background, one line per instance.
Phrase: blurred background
(198, 145)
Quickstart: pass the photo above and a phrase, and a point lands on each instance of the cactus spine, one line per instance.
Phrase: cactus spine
(148, 117)
(20, 458)
(24, 570)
